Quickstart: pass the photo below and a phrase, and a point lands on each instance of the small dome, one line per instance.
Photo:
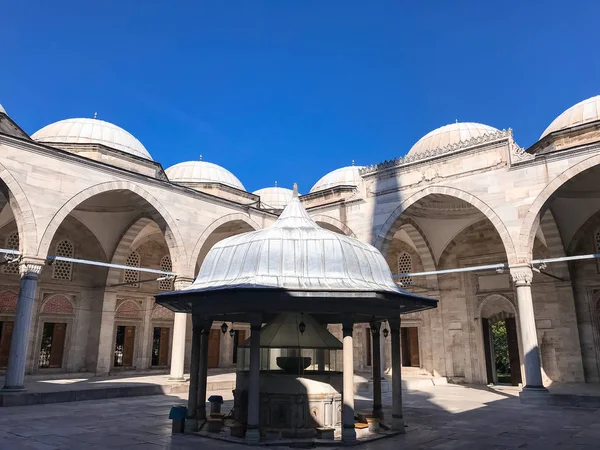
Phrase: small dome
(296, 254)
(346, 176)
(449, 135)
(202, 172)
(583, 112)
(275, 197)
(91, 131)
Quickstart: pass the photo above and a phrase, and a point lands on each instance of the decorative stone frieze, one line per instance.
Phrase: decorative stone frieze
(521, 276)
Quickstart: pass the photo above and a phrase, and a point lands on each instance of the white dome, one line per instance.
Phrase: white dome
(296, 254)
(346, 176)
(274, 197)
(449, 135)
(583, 112)
(202, 172)
(91, 131)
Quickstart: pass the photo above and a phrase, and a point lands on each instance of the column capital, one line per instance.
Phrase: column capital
(375, 326)
(181, 282)
(255, 321)
(521, 276)
(347, 323)
(31, 265)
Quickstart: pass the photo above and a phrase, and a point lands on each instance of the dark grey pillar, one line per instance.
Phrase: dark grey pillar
(17, 358)
(253, 431)
(377, 405)
(397, 416)
(203, 371)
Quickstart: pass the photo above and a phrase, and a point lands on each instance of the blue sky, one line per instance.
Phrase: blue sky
(289, 90)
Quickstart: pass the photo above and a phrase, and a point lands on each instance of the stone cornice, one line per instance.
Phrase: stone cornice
(126, 175)
(438, 152)
(559, 154)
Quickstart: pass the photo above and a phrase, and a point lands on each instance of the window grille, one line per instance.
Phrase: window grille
(405, 266)
(12, 243)
(132, 276)
(63, 270)
(167, 266)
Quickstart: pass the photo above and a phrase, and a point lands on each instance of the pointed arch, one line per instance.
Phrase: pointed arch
(158, 214)
(334, 222)
(532, 219)
(22, 211)
(383, 236)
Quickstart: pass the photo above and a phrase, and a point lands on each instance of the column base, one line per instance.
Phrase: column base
(191, 425)
(348, 434)
(176, 379)
(398, 424)
(7, 389)
(535, 396)
(378, 412)
(252, 435)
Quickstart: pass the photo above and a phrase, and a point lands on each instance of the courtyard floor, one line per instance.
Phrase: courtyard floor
(438, 417)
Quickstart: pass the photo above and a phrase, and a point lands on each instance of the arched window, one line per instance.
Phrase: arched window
(405, 266)
(132, 276)
(12, 243)
(63, 270)
(167, 266)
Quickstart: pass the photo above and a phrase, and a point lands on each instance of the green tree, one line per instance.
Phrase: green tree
(500, 341)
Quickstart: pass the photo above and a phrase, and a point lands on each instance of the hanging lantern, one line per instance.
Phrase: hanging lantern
(302, 327)
(232, 331)
(385, 332)
(224, 328)
(374, 331)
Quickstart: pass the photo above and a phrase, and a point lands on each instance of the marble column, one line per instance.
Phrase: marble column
(376, 367)
(203, 370)
(348, 432)
(253, 431)
(106, 340)
(522, 278)
(178, 343)
(29, 269)
(397, 416)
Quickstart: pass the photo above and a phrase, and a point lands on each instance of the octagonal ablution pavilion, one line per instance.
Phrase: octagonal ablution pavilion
(295, 278)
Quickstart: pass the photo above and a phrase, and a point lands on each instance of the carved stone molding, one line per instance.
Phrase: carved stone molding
(462, 145)
(182, 282)
(522, 276)
(31, 266)
(518, 154)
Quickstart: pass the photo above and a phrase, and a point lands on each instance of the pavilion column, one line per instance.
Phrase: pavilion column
(194, 375)
(30, 269)
(348, 432)
(522, 278)
(203, 370)
(377, 405)
(397, 416)
(179, 326)
(253, 431)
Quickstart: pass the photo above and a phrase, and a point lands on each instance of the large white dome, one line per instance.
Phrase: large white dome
(91, 131)
(449, 135)
(345, 176)
(275, 197)
(583, 112)
(202, 172)
(295, 254)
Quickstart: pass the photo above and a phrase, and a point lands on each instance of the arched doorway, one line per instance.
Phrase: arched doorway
(500, 341)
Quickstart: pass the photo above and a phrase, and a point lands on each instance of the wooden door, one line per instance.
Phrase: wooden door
(487, 347)
(214, 340)
(128, 342)
(163, 349)
(413, 341)
(58, 344)
(513, 351)
(6, 330)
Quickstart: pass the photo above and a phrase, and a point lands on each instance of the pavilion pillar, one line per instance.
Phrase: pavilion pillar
(253, 431)
(194, 375)
(30, 269)
(522, 278)
(203, 370)
(376, 367)
(348, 432)
(397, 416)
(178, 343)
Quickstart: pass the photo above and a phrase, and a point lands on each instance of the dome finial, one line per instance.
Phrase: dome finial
(95, 115)
(295, 190)
(200, 157)
(352, 162)
(275, 183)
(456, 120)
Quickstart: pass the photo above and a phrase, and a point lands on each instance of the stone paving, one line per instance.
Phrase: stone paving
(442, 417)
